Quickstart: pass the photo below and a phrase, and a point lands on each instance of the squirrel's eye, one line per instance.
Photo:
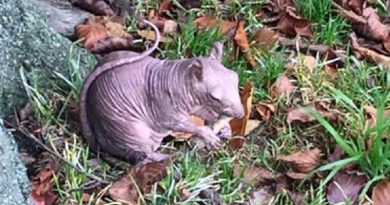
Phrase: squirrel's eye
(214, 98)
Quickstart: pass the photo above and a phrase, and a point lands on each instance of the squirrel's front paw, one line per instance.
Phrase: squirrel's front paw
(209, 137)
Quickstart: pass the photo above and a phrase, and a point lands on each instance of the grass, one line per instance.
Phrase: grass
(355, 85)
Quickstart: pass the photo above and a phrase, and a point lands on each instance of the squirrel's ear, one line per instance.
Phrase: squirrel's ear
(216, 51)
(197, 70)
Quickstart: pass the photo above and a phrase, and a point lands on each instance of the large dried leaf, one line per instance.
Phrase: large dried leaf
(238, 125)
(255, 175)
(99, 28)
(303, 161)
(282, 87)
(354, 5)
(265, 38)
(300, 114)
(345, 187)
(110, 44)
(381, 193)
(142, 176)
(265, 110)
(97, 7)
(368, 54)
(293, 25)
(42, 185)
(373, 28)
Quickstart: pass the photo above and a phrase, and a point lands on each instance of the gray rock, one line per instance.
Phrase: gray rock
(14, 186)
(27, 43)
(62, 15)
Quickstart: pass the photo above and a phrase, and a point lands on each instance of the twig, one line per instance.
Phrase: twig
(45, 147)
(303, 45)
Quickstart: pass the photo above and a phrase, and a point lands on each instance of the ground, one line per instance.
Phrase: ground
(321, 105)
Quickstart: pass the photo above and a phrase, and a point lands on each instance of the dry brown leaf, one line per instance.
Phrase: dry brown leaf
(354, 5)
(368, 54)
(386, 44)
(372, 113)
(282, 87)
(300, 114)
(26, 112)
(144, 176)
(345, 187)
(293, 25)
(381, 193)
(164, 7)
(373, 28)
(92, 32)
(86, 198)
(97, 7)
(110, 44)
(101, 28)
(238, 125)
(265, 38)
(297, 175)
(255, 175)
(265, 110)
(42, 185)
(303, 161)
(308, 62)
(151, 36)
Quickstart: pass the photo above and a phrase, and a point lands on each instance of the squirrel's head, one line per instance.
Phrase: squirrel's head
(216, 83)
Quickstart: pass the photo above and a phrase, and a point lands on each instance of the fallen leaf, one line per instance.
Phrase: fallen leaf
(302, 161)
(368, 54)
(261, 196)
(111, 44)
(26, 158)
(293, 25)
(345, 187)
(165, 6)
(381, 193)
(277, 6)
(372, 113)
(101, 28)
(265, 110)
(42, 185)
(282, 87)
(237, 142)
(97, 7)
(300, 114)
(265, 38)
(238, 125)
(373, 28)
(297, 175)
(92, 32)
(142, 176)
(308, 62)
(386, 44)
(151, 36)
(87, 199)
(255, 175)
(354, 5)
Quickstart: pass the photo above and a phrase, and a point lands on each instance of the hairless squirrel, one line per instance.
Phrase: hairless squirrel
(131, 101)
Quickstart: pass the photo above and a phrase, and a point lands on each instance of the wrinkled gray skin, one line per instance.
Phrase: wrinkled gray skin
(130, 108)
